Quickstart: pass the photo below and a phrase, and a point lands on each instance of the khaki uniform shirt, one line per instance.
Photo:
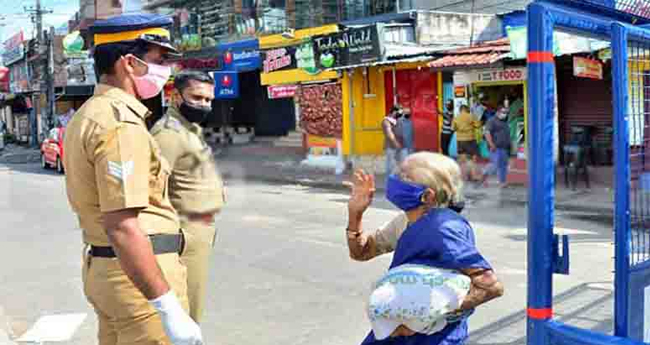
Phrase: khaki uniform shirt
(195, 184)
(112, 163)
(387, 236)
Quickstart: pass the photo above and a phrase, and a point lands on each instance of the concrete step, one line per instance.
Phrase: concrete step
(293, 139)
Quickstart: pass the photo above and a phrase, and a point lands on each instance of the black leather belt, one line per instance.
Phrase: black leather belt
(162, 244)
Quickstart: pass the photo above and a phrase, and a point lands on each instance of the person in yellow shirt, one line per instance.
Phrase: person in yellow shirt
(465, 126)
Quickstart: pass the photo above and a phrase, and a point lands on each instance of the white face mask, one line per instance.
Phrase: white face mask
(502, 115)
(152, 83)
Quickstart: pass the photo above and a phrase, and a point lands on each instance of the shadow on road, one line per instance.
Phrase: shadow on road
(29, 168)
(583, 306)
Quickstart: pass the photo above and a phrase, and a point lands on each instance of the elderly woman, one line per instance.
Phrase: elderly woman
(428, 232)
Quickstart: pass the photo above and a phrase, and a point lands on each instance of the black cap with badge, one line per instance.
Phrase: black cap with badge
(151, 28)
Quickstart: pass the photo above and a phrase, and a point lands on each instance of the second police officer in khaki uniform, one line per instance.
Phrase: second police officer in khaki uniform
(196, 188)
(117, 184)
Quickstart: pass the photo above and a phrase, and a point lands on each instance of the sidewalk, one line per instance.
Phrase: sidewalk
(15, 154)
(263, 162)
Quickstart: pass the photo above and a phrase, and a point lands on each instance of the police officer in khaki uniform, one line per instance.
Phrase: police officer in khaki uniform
(196, 188)
(117, 184)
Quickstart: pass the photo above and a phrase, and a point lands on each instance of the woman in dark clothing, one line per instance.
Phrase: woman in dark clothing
(427, 232)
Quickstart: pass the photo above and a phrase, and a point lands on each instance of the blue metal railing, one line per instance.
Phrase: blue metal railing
(635, 9)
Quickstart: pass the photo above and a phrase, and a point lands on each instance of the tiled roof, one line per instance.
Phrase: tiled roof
(485, 53)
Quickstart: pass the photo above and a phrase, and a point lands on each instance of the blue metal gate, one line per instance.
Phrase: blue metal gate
(622, 22)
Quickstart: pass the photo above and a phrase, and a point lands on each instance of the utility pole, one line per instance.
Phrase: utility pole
(51, 108)
(46, 81)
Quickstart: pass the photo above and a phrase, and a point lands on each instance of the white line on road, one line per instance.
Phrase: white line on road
(53, 328)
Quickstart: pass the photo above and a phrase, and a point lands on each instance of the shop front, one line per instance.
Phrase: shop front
(584, 101)
(417, 89)
(499, 87)
(240, 104)
(353, 52)
(293, 72)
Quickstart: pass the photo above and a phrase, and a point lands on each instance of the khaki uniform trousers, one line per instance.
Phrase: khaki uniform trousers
(199, 244)
(125, 316)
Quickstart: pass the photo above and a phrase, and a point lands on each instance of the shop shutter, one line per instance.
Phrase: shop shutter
(584, 102)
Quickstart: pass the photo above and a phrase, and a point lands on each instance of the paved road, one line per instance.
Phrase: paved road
(281, 273)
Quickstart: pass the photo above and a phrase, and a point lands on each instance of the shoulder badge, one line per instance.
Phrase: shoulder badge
(173, 123)
(125, 114)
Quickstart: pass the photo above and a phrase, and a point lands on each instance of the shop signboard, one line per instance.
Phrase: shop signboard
(460, 91)
(243, 60)
(226, 84)
(14, 49)
(278, 59)
(490, 75)
(587, 68)
(322, 146)
(282, 91)
(352, 46)
(306, 58)
(241, 55)
(506, 74)
(73, 45)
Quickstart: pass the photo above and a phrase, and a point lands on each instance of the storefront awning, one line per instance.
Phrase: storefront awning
(483, 54)
(401, 53)
(386, 62)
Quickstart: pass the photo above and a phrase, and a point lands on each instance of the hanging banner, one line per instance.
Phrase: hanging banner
(282, 91)
(14, 49)
(226, 85)
(587, 68)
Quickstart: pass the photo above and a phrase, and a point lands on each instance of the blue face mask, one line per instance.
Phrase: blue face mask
(405, 195)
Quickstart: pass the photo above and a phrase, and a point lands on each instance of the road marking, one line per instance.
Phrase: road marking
(558, 230)
(53, 328)
(602, 286)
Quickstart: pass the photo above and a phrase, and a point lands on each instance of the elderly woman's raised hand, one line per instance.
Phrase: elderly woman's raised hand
(363, 190)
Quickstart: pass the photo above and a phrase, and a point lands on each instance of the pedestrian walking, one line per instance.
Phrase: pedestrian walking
(447, 130)
(427, 232)
(497, 135)
(117, 185)
(405, 130)
(195, 185)
(466, 127)
(392, 139)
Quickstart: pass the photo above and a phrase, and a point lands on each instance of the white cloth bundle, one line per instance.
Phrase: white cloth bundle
(416, 296)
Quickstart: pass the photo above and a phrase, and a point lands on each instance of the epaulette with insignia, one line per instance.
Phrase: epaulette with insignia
(173, 123)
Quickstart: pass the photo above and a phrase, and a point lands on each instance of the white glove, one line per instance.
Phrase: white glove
(178, 325)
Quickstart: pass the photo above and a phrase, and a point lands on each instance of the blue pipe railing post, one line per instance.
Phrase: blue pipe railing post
(541, 168)
(621, 179)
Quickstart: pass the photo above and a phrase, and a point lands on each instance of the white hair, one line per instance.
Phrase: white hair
(440, 173)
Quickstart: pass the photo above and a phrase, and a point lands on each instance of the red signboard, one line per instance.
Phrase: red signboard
(282, 91)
